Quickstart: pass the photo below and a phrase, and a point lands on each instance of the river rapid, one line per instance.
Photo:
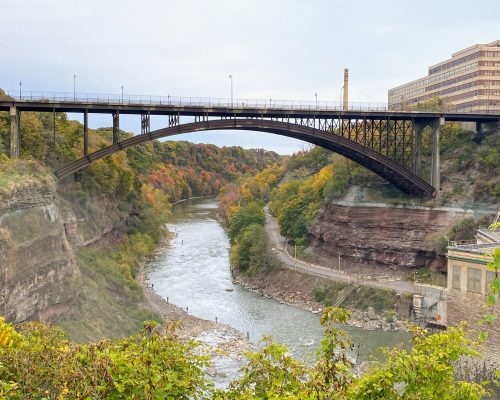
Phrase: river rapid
(194, 273)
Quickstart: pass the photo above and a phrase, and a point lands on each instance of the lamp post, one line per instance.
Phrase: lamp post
(231, 78)
(74, 87)
(316, 96)
(122, 94)
(20, 90)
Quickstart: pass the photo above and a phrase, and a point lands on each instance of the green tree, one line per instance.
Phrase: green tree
(244, 217)
(251, 252)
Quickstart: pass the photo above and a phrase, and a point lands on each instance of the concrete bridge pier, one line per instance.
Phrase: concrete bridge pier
(436, 162)
(85, 132)
(487, 127)
(14, 132)
(116, 127)
(417, 153)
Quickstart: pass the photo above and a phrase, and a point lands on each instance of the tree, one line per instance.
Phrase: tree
(244, 217)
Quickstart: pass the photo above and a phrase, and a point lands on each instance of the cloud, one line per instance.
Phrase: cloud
(274, 49)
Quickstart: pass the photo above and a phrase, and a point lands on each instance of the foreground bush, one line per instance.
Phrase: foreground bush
(38, 362)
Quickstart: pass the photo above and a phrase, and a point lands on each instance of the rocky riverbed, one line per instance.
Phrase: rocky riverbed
(226, 345)
(296, 289)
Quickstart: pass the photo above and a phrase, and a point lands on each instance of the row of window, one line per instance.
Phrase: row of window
(452, 63)
(434, 78)
(447, 83)
(490, 53)
(466, 77)
(474, 278)
(491, 73)
(489, 63)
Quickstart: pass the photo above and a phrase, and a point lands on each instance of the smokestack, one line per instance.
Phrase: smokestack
(345, 104)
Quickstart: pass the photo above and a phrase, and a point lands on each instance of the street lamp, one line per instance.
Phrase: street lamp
(122, 93)
(316, 95)
(74, 87)
(20, 86)
(231, 77)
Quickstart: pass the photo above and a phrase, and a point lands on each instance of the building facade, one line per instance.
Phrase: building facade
(469, 282)
(468, 274)
(468, 81)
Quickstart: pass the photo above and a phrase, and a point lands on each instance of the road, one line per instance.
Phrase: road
(278, 244)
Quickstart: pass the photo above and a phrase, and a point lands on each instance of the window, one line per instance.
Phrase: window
(489, 277)
(474, 280)
(455, 282)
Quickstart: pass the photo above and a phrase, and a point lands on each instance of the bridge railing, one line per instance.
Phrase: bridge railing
(152, 100)
(131, 99)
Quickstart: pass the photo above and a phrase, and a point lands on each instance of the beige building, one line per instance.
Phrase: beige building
(468, 81)
(468, 274)
(469, 283)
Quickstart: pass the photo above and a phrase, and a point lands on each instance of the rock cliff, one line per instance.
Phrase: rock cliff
(383, 236)
(38, 274)
(40, 231)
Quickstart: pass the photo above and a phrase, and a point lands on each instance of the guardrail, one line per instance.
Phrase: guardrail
(132, 99)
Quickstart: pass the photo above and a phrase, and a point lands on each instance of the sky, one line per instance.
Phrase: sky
(279, 49)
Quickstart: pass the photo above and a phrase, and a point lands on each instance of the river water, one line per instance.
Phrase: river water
(194, 273)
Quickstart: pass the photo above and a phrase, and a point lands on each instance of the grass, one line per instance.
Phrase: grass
(360, 299)
(364, 297)
(109, 304)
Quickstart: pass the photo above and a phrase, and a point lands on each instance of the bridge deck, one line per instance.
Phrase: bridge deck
(238, 110)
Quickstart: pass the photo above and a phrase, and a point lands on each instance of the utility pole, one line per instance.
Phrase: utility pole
(74, 87)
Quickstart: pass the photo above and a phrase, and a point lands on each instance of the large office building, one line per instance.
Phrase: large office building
(468, 81)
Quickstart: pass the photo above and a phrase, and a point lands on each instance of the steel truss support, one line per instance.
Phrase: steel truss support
(173, 120)
(145, 123)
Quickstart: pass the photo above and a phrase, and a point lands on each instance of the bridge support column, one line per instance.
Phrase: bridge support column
(86, 132)
(417, 154)
(485, 128)
(145, 123)
(436, 162)
(14, 132)
(116, 127)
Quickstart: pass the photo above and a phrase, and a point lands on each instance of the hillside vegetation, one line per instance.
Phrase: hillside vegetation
(129, 193)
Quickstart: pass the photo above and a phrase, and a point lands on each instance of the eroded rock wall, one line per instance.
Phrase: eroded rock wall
(383, 236)
(39, 278)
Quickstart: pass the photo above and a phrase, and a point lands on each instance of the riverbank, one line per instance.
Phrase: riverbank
(297, 289)
(222, 342)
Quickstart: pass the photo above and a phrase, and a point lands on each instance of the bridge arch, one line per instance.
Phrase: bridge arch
(388, 169)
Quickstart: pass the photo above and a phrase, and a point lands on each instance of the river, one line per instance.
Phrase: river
(194, 274)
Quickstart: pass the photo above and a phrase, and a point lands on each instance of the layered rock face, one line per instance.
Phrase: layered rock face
(380, 236)
(39, 277)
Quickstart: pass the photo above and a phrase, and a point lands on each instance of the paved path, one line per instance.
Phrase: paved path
(278, 243)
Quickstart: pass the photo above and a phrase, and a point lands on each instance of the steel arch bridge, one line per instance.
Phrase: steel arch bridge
(387, 142)
(384, 147)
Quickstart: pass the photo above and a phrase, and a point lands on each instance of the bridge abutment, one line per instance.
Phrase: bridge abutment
(14, 132)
